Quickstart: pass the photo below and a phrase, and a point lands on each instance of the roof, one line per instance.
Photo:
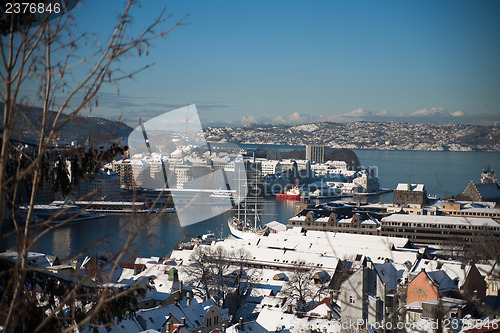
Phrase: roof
(436, 219)
(489, 191)
(320, 247)
(273, 301)
(275, 225)
(389, 275)
(453, 273)
(272, 318)
(194, 314)
(414, 187)
(442, 280)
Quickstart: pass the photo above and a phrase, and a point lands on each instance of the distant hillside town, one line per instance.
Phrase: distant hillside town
(366, 135)
(355, 135)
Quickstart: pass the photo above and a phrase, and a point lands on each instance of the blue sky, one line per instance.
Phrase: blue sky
(302, 61)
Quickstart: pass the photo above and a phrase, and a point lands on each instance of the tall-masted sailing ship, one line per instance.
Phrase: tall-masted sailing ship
(246, 223)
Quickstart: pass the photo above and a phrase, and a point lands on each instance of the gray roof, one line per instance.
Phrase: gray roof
(489, 191)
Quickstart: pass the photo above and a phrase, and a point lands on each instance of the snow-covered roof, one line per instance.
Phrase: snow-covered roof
(453, 270)
(320, 244)
(413, 187)
(34, 259)
(161, 286)
(298, 218)
(389, 275)
(272, 318)
(275, 225)
(442, 220)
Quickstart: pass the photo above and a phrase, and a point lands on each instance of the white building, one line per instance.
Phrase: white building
(369, 184)
(342, 165)
(271, 167)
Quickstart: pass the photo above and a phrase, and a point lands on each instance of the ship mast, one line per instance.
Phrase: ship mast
(256, 190)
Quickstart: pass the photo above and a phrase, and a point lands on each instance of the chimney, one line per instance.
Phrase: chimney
(168, 327)
(188, 299)
(183, 321)
(242, 327)
(423, 269)
(180, 288)
(329, 314)
(289, 308)
(223, 328)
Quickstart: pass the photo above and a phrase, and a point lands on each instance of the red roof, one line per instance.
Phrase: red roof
(325, 300)
(140, 267)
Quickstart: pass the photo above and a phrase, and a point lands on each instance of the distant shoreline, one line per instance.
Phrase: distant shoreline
(285, 147)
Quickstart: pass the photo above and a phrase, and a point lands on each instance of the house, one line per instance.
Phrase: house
(279, 317)
(446, 286)
(453, 279)
(493, 291)
(371, 292)
(493, 281)
(162, 280)
(184, 316)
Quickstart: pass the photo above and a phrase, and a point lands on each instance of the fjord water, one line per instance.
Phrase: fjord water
(444, 173)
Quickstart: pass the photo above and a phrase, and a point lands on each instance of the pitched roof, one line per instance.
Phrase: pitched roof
(489, 191)
(389, 275)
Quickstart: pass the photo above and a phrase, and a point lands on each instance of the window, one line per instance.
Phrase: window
(352, 300)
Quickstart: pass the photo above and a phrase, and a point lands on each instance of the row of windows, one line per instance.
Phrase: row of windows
(331, 224)
(461, 213)
(444, 240)
(437, 232)
(439, 226)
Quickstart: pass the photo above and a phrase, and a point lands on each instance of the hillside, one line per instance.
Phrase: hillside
(366, 135)
(28, 124)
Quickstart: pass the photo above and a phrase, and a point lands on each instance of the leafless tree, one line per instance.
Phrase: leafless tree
(242, 278)
(40, 50)
(226, 275)
(301, 287)
(207, 271)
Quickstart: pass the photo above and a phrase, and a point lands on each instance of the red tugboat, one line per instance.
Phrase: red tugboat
(292, 194)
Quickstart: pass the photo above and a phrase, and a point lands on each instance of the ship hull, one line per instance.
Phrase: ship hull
(244, 234)
(288, 196)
